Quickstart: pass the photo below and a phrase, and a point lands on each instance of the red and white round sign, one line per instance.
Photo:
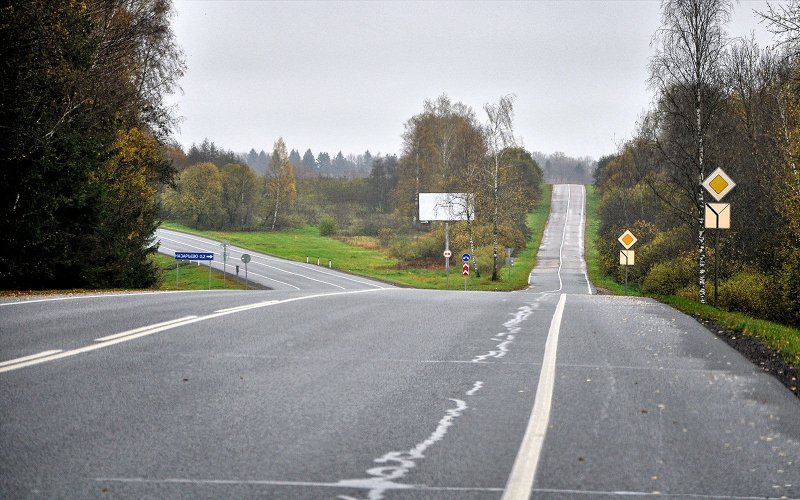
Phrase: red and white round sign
(447, 254)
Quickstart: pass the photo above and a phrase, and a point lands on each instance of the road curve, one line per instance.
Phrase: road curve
(268, 271)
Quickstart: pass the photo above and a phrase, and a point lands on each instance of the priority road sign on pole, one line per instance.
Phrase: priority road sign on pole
(626, 257)
(718, 184)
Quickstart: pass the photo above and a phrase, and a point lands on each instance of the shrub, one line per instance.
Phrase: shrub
(327, 226)
(746, 292)
(666, 278)
(385, 236)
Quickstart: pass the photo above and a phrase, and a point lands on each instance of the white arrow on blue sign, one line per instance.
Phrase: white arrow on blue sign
(465, 257)
(194, 256)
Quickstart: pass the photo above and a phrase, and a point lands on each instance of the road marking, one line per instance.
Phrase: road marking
(395, 465)
(248, 307)
(142, 329)
(28, 358)
(560, 248)
(513, 326)
(157, 328)
(267, 482)
(475, 388)
(111, 295)
(523, 473)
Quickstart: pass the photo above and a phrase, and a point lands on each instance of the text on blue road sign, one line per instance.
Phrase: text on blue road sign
(194, 256)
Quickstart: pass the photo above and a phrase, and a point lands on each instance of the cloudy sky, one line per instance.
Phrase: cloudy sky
(346, 76)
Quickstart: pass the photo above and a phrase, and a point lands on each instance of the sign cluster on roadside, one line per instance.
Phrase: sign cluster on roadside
(717, 216)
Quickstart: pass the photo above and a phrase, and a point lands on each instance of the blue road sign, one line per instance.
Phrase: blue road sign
(194, 256)
(465, 257)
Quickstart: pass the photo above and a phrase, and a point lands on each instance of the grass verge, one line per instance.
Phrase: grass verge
(306, 243)
(780, 338)
(193, 277)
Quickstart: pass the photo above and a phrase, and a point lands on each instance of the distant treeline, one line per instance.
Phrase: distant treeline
(306, 165)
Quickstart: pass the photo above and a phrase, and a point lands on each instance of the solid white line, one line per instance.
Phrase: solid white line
(142, 329)
(28, 358)
(523, 473)
(249, 306)
(157, 329)
(111, 295)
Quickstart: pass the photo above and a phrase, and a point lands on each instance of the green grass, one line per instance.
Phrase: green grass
(194, 277)
(781, 338)
(299, 244)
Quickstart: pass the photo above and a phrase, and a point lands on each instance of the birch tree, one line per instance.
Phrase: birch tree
(281, 184)
(499, 131)
(689, 46)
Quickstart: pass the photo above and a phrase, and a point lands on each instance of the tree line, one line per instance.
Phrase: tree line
(445, 149)
(83, 119)
(726, 103)
(306, 165)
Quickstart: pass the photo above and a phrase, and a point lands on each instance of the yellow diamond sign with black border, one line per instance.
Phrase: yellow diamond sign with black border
(627, 239)
(718, 184)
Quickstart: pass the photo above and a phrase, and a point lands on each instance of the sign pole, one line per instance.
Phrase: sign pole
(177, 273)
(245, 275)
(626, 272)
(716, 266)
(209, 275)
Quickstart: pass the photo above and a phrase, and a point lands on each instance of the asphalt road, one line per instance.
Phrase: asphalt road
(268, 271)
(387, 393)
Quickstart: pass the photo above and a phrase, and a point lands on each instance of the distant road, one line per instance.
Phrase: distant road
(271, 272)
(376, 392)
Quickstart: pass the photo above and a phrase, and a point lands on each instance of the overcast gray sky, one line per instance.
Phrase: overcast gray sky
(346, 76)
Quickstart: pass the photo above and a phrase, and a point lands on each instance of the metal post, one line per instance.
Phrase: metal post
(209, 274)
(224, 263)
(716, 265)
(245, 275)
(626, 272)
(177, 273)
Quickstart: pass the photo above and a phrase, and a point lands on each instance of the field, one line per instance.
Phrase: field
(359, 256)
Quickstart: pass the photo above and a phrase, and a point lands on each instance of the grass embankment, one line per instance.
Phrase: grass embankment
(194, 277)
(783, 339)
(299, 244)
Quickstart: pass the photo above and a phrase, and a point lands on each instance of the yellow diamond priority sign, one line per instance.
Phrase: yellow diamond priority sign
(718, 184)
(627, 239)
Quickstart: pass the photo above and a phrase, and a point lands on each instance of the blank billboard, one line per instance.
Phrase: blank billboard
(446, 206)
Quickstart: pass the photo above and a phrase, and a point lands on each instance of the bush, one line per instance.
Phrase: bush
(327, 226)
(746, 292)
(385, 236)
(666, 278)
